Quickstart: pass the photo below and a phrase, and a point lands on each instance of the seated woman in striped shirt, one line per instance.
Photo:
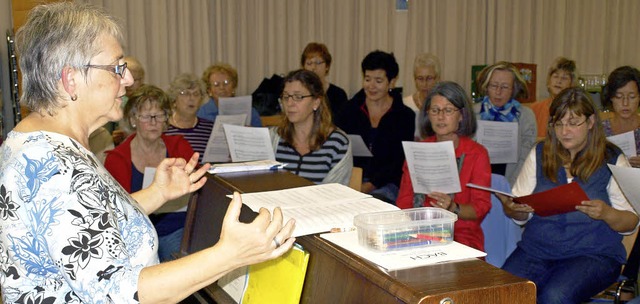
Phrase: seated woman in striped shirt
(306, 139)
(187, 95)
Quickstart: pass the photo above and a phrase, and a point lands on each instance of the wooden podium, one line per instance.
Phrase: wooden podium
(335, 275)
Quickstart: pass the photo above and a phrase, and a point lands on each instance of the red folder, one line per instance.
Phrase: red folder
(561, 199)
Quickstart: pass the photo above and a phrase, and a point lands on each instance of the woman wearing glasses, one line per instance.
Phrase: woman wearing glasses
(571, 256)
(146, 113)
(426, 74)
(187, 95)
(306, 139)
(501, 83)
(377, 114)
(621, 95)
(316, 58)
(222, 80)
(69, 232)
(561, 75)
(447, 115)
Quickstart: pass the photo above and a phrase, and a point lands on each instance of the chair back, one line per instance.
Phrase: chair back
(501, 234)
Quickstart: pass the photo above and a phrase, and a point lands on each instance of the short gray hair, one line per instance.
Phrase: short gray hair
(186, 81)
(425, 60)
(54, 36)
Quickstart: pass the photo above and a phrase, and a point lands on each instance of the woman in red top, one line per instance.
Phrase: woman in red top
(447, 114)
(146, 113)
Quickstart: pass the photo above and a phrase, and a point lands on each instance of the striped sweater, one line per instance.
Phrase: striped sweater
(331, 163)
(198, 136)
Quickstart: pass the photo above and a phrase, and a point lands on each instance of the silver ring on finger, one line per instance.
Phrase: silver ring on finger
(275, 241)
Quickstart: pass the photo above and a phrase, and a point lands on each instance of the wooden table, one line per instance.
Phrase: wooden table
(335, 275)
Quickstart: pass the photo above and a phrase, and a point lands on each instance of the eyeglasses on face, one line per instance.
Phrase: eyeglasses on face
(196, 94)
(148, 118)
(620, 97)
(495, 87)
(296, 97)
(447, 111)
(425, 78)
(572, 124)
(225, 83)
(312, 62)
(119, 69)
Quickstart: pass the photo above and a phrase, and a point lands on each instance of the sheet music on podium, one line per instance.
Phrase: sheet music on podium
(217, 150)
(317, 208)
(432, 166)
(249, 143)
(500, 139)
(236, 105)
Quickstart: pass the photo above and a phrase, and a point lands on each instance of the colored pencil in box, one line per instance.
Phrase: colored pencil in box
(429, 237)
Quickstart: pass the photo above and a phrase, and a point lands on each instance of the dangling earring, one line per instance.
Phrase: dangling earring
(74, 98)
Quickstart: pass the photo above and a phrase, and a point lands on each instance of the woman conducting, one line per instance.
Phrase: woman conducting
(571, 256)
(146, 113)
(306, 139)
(447, 115)
(70, 233)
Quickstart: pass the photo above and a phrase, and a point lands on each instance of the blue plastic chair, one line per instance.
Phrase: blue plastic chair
(501, 234)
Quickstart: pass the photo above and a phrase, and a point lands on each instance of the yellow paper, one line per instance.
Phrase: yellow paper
(279, 280)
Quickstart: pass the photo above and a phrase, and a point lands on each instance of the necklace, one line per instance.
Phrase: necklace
(189, 125)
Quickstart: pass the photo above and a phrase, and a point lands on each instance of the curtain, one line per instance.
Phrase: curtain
(265, 37)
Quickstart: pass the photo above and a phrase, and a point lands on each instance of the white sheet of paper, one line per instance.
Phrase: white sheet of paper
(403, 259)
(432, 166)
(217, 150)
(627, 178)
(249, 143)
(317, 208)
(235, 283)
(500, 139)
(360, 149)
(236, 105)
(175, 205)
(147, 179)
(625, 141)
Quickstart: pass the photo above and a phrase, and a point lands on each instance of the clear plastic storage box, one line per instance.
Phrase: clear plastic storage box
(405, 229)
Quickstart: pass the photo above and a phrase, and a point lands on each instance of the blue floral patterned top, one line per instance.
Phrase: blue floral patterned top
(68, 232)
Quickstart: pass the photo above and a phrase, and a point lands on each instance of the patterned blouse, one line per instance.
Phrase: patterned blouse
(68, 232)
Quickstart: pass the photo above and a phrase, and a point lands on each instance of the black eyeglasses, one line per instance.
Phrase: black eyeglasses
(119, 69)
(295, 97)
